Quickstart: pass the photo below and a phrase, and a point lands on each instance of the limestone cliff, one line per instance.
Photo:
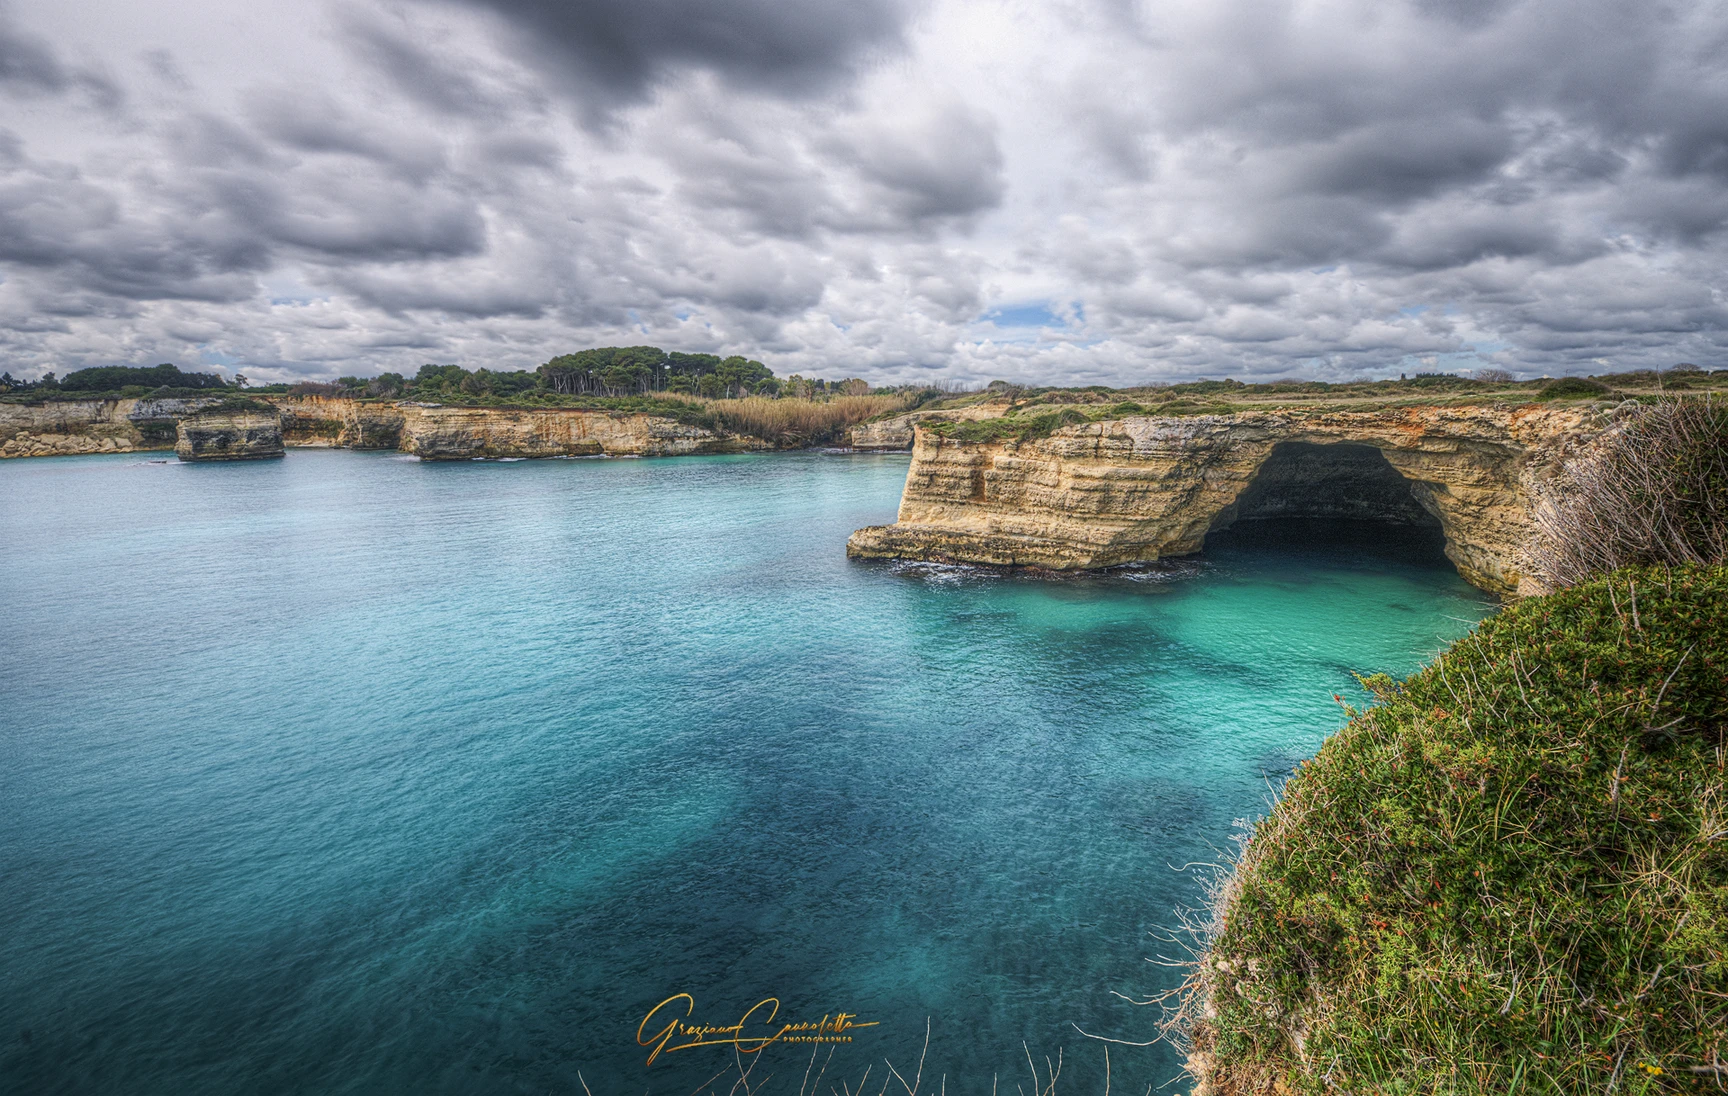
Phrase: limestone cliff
(430, 431)
(68, 427)
(337, 423)
(1140, 488)
(230, 434)
(454, 433)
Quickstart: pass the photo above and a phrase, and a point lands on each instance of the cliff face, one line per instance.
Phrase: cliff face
(229, 435)
(69, 427)
(454, 433)
(429, 431)
(334, 423)
(1106, 493)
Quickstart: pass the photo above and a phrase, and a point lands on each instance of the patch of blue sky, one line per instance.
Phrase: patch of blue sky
(1025, 315)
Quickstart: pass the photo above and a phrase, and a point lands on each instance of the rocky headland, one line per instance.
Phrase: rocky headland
(1144, 487)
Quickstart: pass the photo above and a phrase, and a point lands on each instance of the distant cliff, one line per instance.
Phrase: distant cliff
(234, 429)
(68, 427)
(434, 432)
(1098, 494)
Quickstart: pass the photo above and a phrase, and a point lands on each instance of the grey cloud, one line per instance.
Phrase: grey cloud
(1244, 187)
(1466, 13)
(29, 67)
(313, 122)
(947, 166)
(802, 173)
(430, 80)
(615, 51)
(1400, 161)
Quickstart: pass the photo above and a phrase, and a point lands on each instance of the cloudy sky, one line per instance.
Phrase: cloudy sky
(1088, 191)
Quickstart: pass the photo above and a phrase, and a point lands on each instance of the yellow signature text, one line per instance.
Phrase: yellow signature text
(759, 1028)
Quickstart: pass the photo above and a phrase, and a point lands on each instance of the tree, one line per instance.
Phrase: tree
(385, 384)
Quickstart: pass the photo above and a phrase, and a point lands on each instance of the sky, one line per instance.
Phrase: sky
(948, 191)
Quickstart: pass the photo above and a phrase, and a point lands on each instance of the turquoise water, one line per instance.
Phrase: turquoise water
(348, 773)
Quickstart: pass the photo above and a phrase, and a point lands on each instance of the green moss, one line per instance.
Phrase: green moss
(1511, 873)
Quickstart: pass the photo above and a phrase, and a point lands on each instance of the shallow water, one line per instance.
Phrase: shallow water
(349, 773)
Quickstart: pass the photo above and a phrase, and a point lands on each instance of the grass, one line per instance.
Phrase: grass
(1040, 420)
(1509, 874)
(1224, 396)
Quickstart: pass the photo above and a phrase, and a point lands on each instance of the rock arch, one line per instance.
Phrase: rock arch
(1107, 493)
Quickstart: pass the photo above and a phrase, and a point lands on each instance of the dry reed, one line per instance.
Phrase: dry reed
(801, 420)
(1653, 491)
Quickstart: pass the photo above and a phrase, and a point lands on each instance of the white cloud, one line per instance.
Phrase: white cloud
(1201, 187)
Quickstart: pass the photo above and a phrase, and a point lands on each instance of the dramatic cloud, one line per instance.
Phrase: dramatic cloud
(1097, 191)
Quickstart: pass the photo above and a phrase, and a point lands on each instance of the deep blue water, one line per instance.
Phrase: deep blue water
(349, 773)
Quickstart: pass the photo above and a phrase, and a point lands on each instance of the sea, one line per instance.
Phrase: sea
(351, 773)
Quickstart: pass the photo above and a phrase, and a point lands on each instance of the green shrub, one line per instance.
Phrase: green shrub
(1511, 874)
(1570, 388)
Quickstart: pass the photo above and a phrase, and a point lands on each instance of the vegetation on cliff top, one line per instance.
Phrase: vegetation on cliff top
(1510, 874)
(1423, 389)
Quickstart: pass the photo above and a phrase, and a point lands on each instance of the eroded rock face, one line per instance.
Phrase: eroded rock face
(456, 433)
(229, 435)
(1135, 489)
(55, 428)
(895, 433)
(324, 422)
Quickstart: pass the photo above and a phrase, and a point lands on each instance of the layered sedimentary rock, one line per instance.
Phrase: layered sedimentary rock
(334, 423)
(431, 431)
(895, 433)
(1136, 489)
(246, 434)
(69, 427)
(453, 433)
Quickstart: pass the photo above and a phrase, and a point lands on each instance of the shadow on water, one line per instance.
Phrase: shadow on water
(1335, 538)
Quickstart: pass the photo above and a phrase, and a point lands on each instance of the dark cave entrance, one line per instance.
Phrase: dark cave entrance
(1344, 496)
